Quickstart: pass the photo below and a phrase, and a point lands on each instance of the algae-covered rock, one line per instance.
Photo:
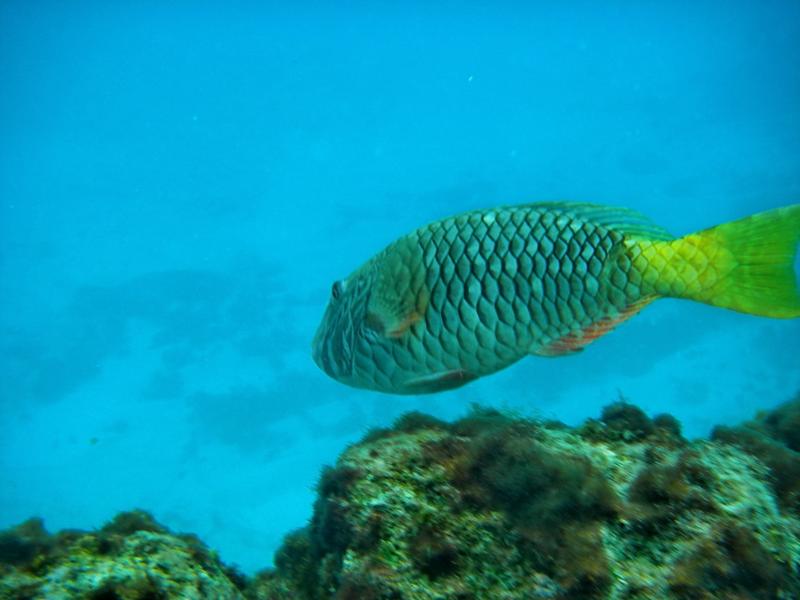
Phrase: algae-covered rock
(491, 507)
(773, 437)
(500, 507)
(131, 558)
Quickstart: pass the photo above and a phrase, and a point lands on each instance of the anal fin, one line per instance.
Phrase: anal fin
(576, 341)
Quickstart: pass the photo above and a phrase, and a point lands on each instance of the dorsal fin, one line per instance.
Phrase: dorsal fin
(625, 220)
(578, 340)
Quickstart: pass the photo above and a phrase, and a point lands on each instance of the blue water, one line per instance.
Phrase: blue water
(180, 185)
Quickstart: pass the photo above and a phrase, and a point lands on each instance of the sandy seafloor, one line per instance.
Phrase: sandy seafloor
(179, 187)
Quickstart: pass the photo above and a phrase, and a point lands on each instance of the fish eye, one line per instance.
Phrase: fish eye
(336, 290)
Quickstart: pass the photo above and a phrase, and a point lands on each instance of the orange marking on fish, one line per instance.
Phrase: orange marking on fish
(578, 340)
(404, 325)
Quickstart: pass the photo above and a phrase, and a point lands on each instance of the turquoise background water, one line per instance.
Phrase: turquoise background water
(179, 186)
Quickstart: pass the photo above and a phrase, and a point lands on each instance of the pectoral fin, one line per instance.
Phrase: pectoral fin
(393, 321)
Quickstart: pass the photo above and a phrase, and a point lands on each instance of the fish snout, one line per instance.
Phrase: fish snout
(318, 350)
(331, 350)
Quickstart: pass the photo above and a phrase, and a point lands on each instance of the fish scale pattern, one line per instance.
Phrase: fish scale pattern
(692, 265)
(505, 281)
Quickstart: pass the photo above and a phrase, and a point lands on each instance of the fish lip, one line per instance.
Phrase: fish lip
(317, 348)
(315, 354)
(324, 355)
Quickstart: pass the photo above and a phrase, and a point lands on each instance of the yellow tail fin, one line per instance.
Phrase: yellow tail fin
(746, 265)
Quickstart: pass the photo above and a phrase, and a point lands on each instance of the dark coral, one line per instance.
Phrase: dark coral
(365, 587)
(145, 591)
(625, 422)
(330, 530)
(554, 500)
(735, 565)
(434, 554)
(336, 481)
(661, 491)
(126, 523)
(309, 561)
(376, 433)
(21, 544)
(369, 535)
(783, 424)
(407, 423)
(668, 424)
(416, 421)
(479, 420)
(507, 468)
(297, 560)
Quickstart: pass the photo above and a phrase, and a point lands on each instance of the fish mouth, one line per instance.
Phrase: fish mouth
(319, 354)
(328, 350)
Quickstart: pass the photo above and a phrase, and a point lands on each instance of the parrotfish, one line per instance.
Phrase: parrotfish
(471, 294)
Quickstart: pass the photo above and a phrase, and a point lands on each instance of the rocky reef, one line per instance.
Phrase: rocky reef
(131, 558)
(500, 507)
(492, 506)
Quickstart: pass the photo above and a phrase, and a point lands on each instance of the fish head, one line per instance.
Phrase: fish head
(363, 340)
(341, 334)
(373, 332)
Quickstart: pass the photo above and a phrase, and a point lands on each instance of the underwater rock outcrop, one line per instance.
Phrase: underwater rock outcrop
(490, 507)
(131, 558)
(499, 507)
